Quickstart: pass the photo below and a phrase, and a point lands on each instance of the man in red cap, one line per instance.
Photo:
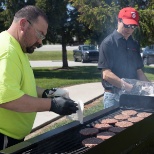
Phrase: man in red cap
(119, 57)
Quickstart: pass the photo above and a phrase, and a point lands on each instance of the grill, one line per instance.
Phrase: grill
(136, 139)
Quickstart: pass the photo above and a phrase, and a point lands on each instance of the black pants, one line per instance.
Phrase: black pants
(6, 141)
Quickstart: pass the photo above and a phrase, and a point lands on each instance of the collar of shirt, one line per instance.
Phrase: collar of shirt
(118, 35)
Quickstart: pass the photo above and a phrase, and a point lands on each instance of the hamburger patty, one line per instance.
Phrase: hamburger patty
(91, 142)
(103, 126)
(121, 117)
(143, 114)
(135, 119)
(123, 124)
(109, 121)
(89, 131)
(129, 112)
(105, 135)
(116, 129)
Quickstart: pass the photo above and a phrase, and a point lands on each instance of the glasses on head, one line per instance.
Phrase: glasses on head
(129, 26)
(39, 35)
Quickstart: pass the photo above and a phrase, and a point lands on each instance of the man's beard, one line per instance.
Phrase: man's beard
(31, 49)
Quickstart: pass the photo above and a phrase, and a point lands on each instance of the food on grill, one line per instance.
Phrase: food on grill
(143, 114)
(89, 131)
(116, 129)
(91, 142)
(109, 121)
(135, 119)
(121, 117)
(129, 112)
(123, 124)
(103, 126)
(105, 135)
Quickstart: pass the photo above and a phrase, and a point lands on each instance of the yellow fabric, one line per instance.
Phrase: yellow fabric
(16, 79)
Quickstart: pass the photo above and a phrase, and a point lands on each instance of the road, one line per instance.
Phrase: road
(55, 48)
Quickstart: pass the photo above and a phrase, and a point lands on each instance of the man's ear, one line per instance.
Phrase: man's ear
(23, 23)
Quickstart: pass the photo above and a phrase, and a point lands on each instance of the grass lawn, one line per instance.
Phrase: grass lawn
(52, 77)
(49, 55)
(149, 72)
(49, 78)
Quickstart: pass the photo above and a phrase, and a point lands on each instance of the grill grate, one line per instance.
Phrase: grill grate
(64, 144)
(68, 143)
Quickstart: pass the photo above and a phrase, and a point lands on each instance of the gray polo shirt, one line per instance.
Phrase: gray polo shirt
(121, 56)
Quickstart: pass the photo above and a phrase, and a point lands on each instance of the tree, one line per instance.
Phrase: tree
(9, 8)
(2, 28)
(62, 24)
(101, 16)
(145, 34)
(56, 11)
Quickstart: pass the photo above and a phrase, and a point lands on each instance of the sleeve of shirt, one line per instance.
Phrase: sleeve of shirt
(105, 56)
(10, 83)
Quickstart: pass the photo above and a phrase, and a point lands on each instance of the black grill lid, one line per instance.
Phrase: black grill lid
(137, 102)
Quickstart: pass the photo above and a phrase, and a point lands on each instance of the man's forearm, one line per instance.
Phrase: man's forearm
(111, 78)
(116, 81)
(28, 103)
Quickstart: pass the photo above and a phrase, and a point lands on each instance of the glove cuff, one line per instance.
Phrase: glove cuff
(45, 93)
(53, 105)
(48, 93)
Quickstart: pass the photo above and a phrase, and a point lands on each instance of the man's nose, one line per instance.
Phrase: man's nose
(39, 44)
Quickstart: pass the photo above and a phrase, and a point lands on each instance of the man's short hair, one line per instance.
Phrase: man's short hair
(30, 12)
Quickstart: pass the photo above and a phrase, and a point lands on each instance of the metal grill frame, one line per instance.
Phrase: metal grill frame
(15, 149)
(134, 136)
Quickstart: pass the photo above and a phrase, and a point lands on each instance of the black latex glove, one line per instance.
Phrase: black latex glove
(63, 106)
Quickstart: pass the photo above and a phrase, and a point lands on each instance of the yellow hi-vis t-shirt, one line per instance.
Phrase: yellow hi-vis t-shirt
(16, 79)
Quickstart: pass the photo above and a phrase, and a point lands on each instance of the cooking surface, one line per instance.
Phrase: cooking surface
(71, 142)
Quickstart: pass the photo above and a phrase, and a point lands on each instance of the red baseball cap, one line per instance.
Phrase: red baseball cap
(129, 16)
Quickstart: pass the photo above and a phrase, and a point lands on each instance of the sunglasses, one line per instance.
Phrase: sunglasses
(39, 35)
(130, 26)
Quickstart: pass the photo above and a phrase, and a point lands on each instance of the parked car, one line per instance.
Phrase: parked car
(86, 53)
(148, 55)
